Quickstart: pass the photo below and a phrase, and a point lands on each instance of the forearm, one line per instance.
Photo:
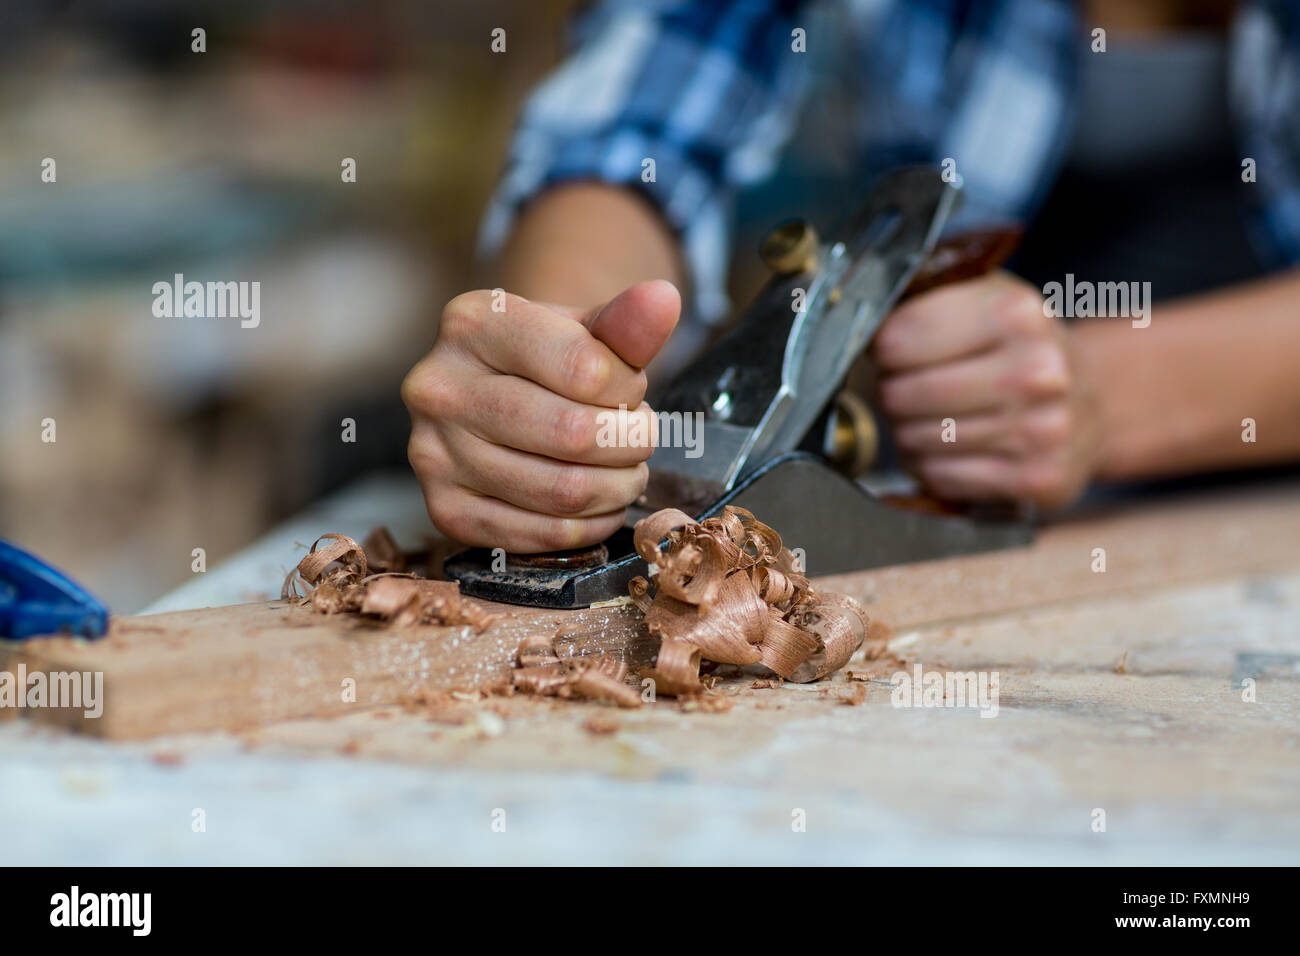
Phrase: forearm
(1171, 397)
(581, 244)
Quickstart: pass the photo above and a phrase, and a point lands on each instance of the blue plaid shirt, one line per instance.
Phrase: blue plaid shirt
(712, 90)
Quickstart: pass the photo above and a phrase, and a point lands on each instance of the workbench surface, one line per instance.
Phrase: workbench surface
(1133, 703)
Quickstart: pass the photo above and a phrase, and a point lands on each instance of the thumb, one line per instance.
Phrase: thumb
(636, 323)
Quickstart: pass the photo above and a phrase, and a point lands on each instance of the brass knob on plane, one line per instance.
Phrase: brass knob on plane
(790, 249)
(851, 436)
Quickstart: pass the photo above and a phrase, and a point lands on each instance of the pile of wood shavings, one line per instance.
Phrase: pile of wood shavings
(727, 590)
(400, 599)
(724, 590)
(336, 579)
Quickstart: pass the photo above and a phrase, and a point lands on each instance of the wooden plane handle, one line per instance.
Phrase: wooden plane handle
(965, 255)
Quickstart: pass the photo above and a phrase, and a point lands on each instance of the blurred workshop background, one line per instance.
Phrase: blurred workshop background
(175, 434)
(172, 434)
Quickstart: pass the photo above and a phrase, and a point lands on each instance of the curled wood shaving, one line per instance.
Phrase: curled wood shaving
(350, 556)
(595, 684)
(786, 647)
(335, 578)
(594, 678)
(677, 669)
(727, 590)
(537, 650)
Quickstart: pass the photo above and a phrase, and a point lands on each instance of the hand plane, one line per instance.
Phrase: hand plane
(776, 435)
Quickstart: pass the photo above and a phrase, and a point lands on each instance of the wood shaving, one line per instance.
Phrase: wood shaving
(536, 651)
(854, 697)
(727, 590)
(597, 677)
(600, 725)
(336, 579)
(382, 551)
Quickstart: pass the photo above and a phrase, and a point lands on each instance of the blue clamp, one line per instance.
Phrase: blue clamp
(37, 599)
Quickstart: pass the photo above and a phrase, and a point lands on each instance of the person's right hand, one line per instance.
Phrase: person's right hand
(506, 411)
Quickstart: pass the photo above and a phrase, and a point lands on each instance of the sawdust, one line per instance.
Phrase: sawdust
(454, 708)
(705, 704)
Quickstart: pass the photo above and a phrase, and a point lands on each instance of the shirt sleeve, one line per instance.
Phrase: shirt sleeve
(683, 101)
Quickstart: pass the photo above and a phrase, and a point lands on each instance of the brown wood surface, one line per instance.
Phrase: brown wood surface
(247, 666)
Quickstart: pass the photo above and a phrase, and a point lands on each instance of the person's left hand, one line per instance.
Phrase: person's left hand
(984, 354)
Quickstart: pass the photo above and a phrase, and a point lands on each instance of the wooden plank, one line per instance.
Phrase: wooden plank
(249, 665)
(1183, 765)
(1153, 546)
(1171, 656)
(252, 664)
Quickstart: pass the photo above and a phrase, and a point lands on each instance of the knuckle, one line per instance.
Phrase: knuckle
(461, 315)
(410, 388)
(416, 455)
(1020, 310)
(449, 518)
(1040, 371)
(424, 455)
(1051, 375)
(585, 369)
(572, 491)
(561, 534)
(573, 431)
(426, 392)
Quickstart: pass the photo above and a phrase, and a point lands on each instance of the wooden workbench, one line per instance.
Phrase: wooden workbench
(1164, 692)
